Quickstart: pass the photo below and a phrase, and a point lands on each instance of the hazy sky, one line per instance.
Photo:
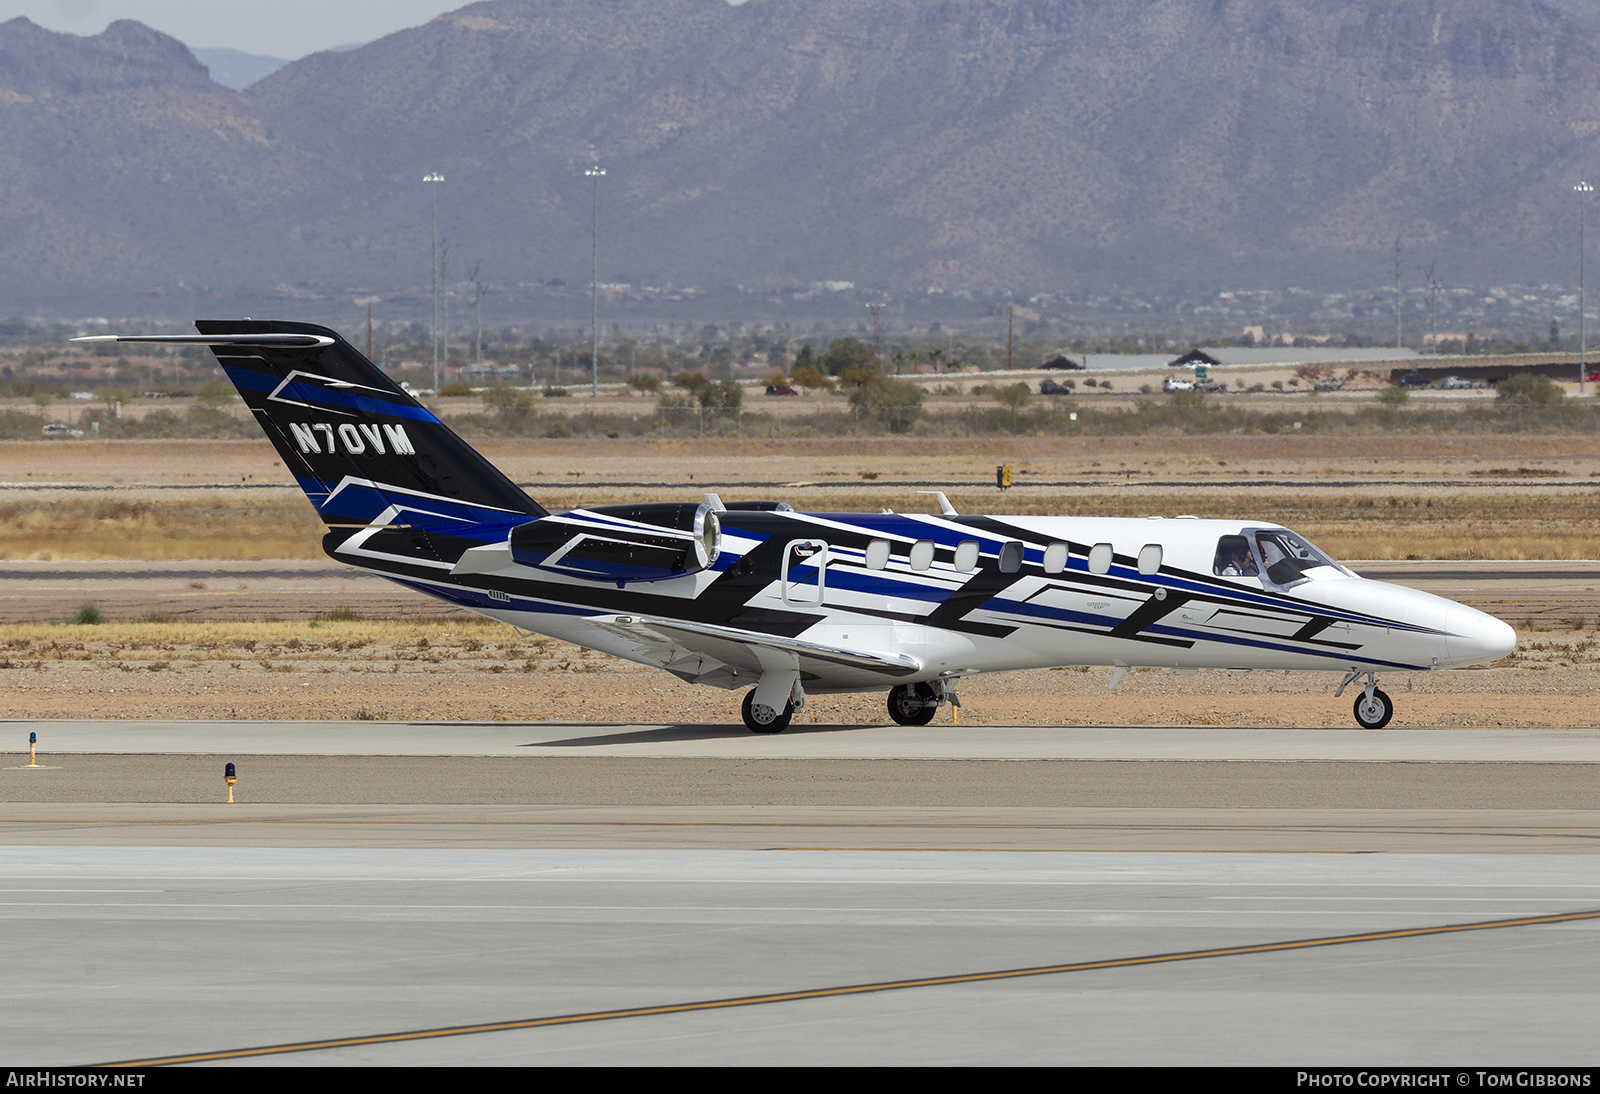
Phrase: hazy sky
(277, 28)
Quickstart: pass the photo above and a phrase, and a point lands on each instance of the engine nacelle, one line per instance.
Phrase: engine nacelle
(630, 543)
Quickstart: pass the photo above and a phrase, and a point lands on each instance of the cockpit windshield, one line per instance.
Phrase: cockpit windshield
(1276, 554)
(1286, 558)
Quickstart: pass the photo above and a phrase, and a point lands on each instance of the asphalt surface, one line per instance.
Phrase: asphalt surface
(409, 894)
(471, 957)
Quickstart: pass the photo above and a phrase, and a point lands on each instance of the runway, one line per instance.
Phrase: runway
(406, 893)
(140, 955)
(810, 742)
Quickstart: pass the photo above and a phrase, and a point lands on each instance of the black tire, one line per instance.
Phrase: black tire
(912, 704)
(777, 725)
(1376, 714)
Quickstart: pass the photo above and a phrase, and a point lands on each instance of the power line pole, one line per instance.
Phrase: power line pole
(433, 219)
(594, 174)
(1433, 307)
(877, 348)
(1010, 324)
(1397, 294)
(444, 307)
(1583, 190)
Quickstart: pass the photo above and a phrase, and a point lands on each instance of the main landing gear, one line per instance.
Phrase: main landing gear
(913, 704)
(760, 718)
(770, 705)
(1373, 708)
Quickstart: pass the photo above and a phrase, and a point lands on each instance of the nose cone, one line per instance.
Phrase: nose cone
(1477, 638)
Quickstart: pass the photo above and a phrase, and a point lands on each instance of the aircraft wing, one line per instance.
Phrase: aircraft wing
(731, 657)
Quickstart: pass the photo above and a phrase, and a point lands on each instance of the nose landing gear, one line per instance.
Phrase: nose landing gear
(1373, 708)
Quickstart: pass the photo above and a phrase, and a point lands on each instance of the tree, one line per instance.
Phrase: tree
(845, 353)
(1016, 396)
(896, 402)
(214, 392)
(722, 395)
(810, 376)
(1529, 389)
(514, 406)
(692, 382)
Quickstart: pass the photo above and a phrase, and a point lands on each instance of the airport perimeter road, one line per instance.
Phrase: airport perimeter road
(675, 957)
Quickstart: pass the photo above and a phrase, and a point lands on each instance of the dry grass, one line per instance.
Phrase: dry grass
(213, 526)
(372, 644)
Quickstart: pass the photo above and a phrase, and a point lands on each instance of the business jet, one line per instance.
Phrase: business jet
(752, 594)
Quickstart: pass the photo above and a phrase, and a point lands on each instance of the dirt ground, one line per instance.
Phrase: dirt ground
(475, 670)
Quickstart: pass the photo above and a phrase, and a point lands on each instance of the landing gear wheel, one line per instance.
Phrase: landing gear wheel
(1374, 713)
(912, 704)
(775, 723)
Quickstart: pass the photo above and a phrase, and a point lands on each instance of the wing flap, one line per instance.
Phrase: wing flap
(749, 651)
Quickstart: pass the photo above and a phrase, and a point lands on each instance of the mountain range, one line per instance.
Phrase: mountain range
(1156, 145)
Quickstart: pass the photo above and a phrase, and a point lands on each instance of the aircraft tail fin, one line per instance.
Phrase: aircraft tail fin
(364, 451)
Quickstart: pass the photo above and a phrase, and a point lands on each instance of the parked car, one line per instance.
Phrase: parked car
(1412, 379)
(1455, 383)
(1593, 377)
(1328, 383)
(781, 389)
(1174, 383)
(61, 429)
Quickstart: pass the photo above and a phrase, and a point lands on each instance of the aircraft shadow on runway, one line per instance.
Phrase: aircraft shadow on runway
(688, 732)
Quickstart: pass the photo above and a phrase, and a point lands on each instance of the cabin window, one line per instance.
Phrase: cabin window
(1100, 558)
(877, 554)
(1150, 558)
(1055, 558)
(922, 554)
(967, 555)
(1010, 557)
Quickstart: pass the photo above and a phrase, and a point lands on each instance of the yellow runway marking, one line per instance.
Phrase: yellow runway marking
(855, 989)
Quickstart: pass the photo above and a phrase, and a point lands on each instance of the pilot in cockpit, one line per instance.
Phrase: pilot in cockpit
(1235, 559)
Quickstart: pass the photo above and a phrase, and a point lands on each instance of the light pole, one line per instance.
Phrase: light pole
(594, 174)
(433, 220)
(1583, 190)
(877, 348)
